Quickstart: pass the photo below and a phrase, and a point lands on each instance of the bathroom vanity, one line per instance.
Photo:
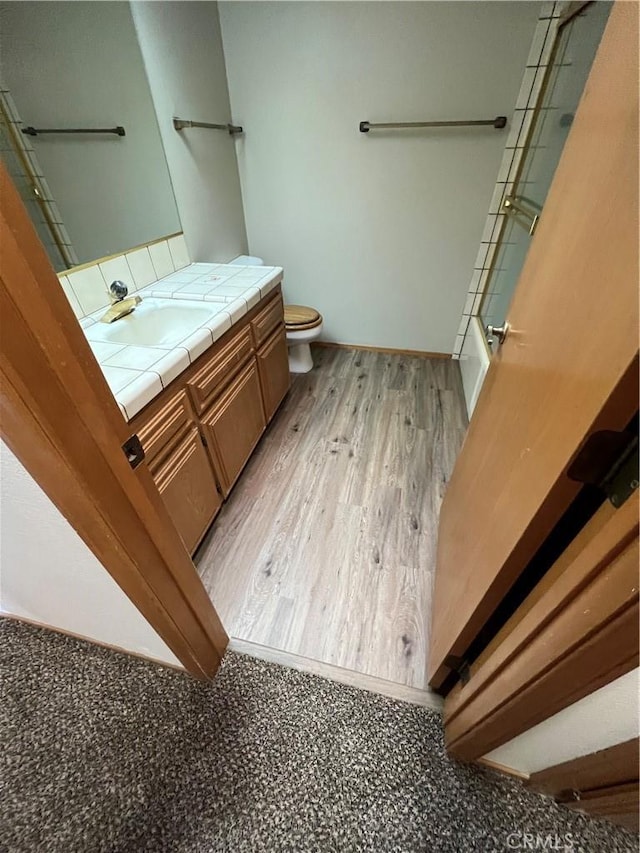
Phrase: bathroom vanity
(200, 431)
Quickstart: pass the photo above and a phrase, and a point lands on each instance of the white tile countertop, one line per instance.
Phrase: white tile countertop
(215, 297)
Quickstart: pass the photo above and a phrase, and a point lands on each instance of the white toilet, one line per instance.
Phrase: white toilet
(247, 261)
(303, 325)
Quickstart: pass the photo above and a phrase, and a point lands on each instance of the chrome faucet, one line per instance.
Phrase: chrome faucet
(117, 291)
(120, 305)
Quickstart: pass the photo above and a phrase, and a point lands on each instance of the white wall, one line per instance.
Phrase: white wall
(474, 363)
(182, 51)
(602, 719)
(378, 231)
(49, 575)
(78, 64)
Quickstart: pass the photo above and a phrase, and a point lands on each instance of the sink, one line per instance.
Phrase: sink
(155, 323)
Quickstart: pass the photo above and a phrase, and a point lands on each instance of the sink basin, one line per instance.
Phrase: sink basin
(155, 323)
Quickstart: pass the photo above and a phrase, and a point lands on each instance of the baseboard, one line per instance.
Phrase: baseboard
(371, 683)
(110, 646)
(416, 353)
(502, 768)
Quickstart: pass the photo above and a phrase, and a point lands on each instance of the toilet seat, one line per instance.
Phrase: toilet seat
(297, 318)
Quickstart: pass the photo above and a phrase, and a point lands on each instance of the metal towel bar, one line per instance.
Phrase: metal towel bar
(499, 122)
(36, 131)
(180, 124)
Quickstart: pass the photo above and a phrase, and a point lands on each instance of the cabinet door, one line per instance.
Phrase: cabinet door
(188, 487)
(218, 369)
(266, 320)
(273, 363)
(162, 424)
(234, 425)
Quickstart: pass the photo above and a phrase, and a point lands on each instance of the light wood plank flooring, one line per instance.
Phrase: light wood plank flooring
(326, 547)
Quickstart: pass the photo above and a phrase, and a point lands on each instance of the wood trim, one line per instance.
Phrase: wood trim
(602, 539)
(88, 264)
(597, 662)
(391, 350)
(618, 803)
(611, 766)
(372, 683)
(61, 421)
(574, 634)
(502, 768)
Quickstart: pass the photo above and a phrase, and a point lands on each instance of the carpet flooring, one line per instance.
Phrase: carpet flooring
(102, 752)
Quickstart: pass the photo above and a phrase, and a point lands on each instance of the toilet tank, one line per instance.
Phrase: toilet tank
(247, 261)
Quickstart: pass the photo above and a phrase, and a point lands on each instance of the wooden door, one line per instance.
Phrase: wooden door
(189, 490)
(233, 426)
(567, 368)
(273, 364)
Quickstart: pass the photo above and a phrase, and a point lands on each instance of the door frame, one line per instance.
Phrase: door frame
(576, 632)
(60, 419)
(602, 783)
(613, 765)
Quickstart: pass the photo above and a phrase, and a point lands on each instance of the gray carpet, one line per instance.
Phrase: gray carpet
(103, 752)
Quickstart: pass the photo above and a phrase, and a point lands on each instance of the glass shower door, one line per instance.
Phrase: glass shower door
(576, 44)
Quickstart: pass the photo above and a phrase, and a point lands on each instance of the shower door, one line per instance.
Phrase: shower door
(572, 57)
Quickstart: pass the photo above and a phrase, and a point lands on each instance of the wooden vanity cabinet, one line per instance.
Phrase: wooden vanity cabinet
(234, 424)
(200, 432)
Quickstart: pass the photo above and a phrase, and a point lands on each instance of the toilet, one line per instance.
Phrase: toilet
(247, 261)
(303, 326)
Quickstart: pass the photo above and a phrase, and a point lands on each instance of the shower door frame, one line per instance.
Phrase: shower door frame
(574, 9)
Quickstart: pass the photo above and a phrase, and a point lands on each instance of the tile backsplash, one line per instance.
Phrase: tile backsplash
(87, 287)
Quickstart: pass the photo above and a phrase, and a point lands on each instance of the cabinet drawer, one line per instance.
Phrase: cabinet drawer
(219, 369)
(267, 320)
(188, 488)
(273, 364)
(160, 429)
(234, 425)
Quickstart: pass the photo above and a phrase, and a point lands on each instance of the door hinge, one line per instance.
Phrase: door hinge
(460, 666)
(218, 488)
(609, 461)
(203, 440)
(133, 450)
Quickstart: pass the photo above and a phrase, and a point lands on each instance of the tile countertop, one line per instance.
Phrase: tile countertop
(137, 374)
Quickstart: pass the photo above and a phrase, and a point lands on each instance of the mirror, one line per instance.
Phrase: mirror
(70, 66)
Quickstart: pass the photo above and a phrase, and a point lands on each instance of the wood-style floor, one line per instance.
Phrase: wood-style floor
(326, 547)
